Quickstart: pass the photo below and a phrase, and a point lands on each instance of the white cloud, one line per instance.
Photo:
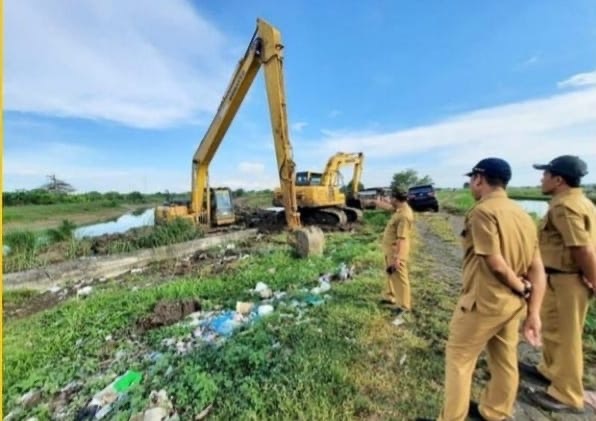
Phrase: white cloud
(251, 168)
(142, 63)
(299, 125)
(581, 79)
(525, 132)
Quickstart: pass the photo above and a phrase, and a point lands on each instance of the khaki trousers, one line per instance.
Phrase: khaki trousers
(398, 285)
(469, 333)
(563, 314)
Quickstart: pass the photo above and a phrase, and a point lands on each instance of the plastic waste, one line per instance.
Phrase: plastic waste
(102, 402)
(265, 310)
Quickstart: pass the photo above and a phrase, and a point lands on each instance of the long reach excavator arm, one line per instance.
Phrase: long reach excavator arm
(213, 206)
(265, 50)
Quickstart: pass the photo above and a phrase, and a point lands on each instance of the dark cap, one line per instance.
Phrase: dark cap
(492, 167)
(399, 193)
(567, 165)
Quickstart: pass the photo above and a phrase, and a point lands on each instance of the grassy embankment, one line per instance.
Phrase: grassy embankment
(42, 234)
(318, 368)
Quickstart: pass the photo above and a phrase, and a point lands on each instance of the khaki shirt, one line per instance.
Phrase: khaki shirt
(495, 225)
(570, 221)
(399, 226)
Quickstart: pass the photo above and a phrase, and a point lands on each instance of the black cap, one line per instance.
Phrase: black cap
(399, 193)
(566, 165)
(493, 167)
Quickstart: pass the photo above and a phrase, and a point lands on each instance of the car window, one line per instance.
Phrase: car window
(421, 189)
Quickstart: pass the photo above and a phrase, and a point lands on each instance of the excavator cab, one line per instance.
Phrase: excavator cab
(308, 178)
(320, 195)
(222, 206)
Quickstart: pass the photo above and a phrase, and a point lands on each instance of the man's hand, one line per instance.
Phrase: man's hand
(591, 285)
(532, 328)
(526, 290)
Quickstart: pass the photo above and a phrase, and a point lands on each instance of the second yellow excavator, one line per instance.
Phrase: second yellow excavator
(319, 195)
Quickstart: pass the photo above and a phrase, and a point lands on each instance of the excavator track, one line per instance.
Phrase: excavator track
(353, 214)
(326, 216)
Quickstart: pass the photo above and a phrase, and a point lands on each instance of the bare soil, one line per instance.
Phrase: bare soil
(167, 312)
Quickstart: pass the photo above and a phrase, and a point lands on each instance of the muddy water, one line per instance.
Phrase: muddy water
(120, 225)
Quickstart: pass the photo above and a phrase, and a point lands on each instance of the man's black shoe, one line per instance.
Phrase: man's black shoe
(544, 401)
(474, 412)
(532, 372)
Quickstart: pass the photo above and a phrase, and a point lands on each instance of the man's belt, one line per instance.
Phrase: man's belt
(553, 271)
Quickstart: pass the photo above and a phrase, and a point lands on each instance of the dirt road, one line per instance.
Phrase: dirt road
(438, 236)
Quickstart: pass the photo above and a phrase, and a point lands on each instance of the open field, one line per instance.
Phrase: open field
(41, 217)
(339, 358)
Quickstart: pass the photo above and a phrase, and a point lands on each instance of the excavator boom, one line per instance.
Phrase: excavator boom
(265, 49)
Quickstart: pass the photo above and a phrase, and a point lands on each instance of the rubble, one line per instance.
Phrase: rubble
(168, 312)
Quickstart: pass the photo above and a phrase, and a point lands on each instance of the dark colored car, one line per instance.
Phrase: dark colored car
(422, 198)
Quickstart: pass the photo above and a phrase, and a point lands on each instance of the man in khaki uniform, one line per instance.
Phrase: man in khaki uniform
(567, 243)
(396, 248)
(501, 269)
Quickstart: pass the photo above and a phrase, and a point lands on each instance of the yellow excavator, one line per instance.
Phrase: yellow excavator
(213, 207)
(320, 197)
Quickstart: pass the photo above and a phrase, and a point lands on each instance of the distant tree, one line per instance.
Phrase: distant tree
(467, 185)
(135, 197)
(57, 186)
(348, 187)
(239, 193)
(408, 178)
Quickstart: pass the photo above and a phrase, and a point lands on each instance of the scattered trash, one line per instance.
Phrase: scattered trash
(55, 289)
(160, 408)
(271, 271)
(168, 312)
(344, 272)
(136, 270)
(314, 300)
(85, 291)
(403, 360)
(109, 338)
(398, 321)
(203, 414)
(102, 402)
(30, 399)
(265, 310)
(231, 246)
(323, 287)
(263, 290)
(244, 308)
(12, 415)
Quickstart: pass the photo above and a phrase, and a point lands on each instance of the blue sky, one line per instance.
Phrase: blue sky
(116, 95)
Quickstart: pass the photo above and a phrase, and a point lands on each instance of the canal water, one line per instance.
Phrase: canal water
(539, 207)
(120, 225)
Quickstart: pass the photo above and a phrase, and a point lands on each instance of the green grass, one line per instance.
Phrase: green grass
(28, 248)
(32, 213)
(319, 368)
(341, 360)
(457, 202)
